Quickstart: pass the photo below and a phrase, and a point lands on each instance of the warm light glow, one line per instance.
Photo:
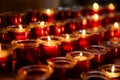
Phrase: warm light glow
(95, 6)
(116, 25)
(49, 39)
(95, 17)
(84, 21)
(49, 11)
(67, 37)
(95, 29)
(83, 33)
(42, 23)
(81, 54)
(113, 69)
(111, 6)
(20, 27)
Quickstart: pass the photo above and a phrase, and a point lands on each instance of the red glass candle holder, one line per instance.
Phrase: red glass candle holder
(94, 75)
(48, 15)
(34, 72)
(85, 38)
(62, 67)
(13, 18)
(26, 52)
(51, 45)
(113, 52)
(69, 43)
(58, 28)
(111, 70)
(41, 28)
(21, 32)
(99, 53)
(6, 58)
(83, 61)
(70, 26)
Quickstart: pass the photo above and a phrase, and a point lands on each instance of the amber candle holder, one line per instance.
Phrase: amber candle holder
(99, 53)
(83, 61)
(34, 72)
(111, 70)
(50, 45)
(62, 67)
(94, 75)
(26, 52)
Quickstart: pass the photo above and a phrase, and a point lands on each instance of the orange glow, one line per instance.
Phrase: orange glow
(113, 69)
(95, 17)
(111, 6)
(84, 21)
(116, 25)
(49, 11)
(95, 6)
(81, 54)
(83, 33)
(20, 27)
(49, 39)
(67, 37)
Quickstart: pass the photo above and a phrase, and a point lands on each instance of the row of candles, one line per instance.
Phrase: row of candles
(63, 49)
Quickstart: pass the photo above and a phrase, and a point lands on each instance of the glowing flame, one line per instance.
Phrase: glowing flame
(42, 23)
(95, 6)
(20, 27)
(111, 6)
(116, 25)
(49, 39)
(83, 33)
(84, 21)
(113, 69)
(95, 17)
(81, 54)
(49, 11)
(67, 37)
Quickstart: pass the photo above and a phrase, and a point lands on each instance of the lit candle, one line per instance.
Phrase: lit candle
(48, 15)
(21, 33)
(84, 23)
(111, 70)
(83, 61)
(95, 7)
(51, 45)
(69, 43)
(111, 7)
(42, 28)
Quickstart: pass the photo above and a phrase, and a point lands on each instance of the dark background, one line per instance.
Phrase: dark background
(22, 5)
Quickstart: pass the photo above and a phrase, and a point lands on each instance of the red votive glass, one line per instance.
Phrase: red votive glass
(85, 38)
(113, 52)
(111, 70)
(69, 43)
(6, 51)
(34, 72)
(94, 75)
(58, 28)
(62, 67)
(14, 18)
(99, 53)
(48, 15)
(50, 45)
(21, 32)
(83, 61)
(41, 28)
(26, 52)
(70, 26)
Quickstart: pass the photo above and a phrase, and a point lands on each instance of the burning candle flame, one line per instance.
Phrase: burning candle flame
(49, 11)
(81, 54)
(20, 27)
(95, 6)
(42, 23)
(49, 39)
(116, 25)
(84, 21)
(113, 69)
(83, 33)
(95, 17)
(67, 37)
(111, 6)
